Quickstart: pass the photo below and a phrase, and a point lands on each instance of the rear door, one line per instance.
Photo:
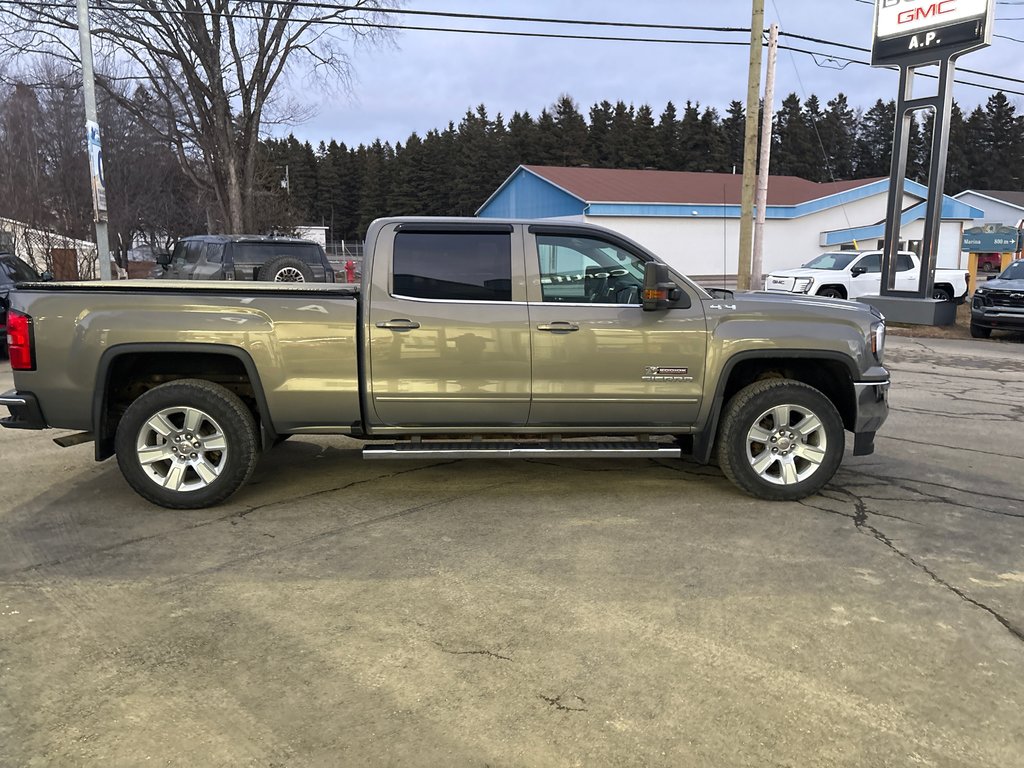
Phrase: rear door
(599, 360)
(448, 330)
(907, 274)
(210, 265)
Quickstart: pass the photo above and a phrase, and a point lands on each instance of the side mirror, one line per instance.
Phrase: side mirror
(163, 258)
(992, 277)
(47, 276)
(658, 290)
(858, 271)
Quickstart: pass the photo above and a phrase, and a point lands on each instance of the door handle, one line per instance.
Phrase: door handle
(558, 327)
(399, 325)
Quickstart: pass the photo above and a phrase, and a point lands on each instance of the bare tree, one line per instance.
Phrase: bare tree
(213, 69)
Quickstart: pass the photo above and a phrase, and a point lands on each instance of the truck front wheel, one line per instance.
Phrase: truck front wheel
(831, 293)
(780, 439)
(186, 444)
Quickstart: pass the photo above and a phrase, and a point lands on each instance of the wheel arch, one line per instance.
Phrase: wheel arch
(834, 286)
(126, 371)
(832, 373)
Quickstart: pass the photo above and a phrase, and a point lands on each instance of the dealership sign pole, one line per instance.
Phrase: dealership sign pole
(910, 34)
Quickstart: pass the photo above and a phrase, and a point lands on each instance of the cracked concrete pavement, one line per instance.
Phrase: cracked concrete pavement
(532, 613)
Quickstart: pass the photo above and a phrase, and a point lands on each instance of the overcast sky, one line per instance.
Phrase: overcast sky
(427, 78)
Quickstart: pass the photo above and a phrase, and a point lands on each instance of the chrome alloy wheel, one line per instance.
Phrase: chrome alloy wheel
(181, 449)
(289, 275)
(786, 444)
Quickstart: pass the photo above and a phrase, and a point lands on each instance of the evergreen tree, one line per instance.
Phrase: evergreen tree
(957, 167)
(439, 153)
(645, 138)
(670, 155)
(476, 165)
(714, 141)
(794, 149)
(375, 199)
(874, 140)
(410, 169)
(838, 131)
(621, 138)
(570, 132)
(522, 140)
(1001, 141)
(691, 144)
(733, 132)
(547, 148)
(599, 152)
(919, 147)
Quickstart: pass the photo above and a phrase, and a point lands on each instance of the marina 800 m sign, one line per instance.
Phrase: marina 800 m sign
(927, 30)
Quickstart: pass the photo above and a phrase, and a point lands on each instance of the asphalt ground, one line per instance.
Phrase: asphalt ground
(337, 612)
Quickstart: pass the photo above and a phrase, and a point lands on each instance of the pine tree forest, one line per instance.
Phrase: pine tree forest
(452, 171)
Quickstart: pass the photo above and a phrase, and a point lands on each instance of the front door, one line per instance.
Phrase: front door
(449, 340)
(599, 360)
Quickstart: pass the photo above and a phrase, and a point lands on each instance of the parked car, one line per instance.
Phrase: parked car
(989, 262)
(998, 304)
(852, 274)
(12, 270)
(245, 257)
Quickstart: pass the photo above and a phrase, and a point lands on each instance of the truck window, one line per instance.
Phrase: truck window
(903, 263)
(257, 254)
(194, 251)
(214, 253)
(454, 266)
(577, 269)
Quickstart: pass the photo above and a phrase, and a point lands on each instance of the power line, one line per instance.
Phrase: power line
(361, 23)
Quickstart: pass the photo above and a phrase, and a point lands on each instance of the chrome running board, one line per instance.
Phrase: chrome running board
(483, 449)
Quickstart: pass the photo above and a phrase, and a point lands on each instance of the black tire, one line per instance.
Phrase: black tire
(763, 468)
(942, 294)
(285, 269)
(980, 332)
(208, 459)
(831, 293)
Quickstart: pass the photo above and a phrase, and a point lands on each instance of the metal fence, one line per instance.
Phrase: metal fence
(64, 257)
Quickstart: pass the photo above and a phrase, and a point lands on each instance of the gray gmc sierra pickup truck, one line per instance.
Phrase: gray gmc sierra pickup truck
(467, 338)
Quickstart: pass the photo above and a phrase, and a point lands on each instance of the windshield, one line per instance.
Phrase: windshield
(838, 260)
(1014, 272)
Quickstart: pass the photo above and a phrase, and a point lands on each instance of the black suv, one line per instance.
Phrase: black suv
(245, 257)
(999, 303)
(12, 270)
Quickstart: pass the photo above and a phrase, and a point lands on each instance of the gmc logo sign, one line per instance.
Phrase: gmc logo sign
(924, 12)
(902, 17)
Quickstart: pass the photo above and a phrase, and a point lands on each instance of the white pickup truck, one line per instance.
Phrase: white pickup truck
(852, 274)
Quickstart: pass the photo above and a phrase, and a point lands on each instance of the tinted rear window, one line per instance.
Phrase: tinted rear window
(261, 253)
(460, 266)
(15, 270)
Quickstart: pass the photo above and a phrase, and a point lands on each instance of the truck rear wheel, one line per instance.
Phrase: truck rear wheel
(780, 439)
(187, 444)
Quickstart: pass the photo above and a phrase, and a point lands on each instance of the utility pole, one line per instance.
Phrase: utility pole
(757, 260)
(92, 133)
(750, 147)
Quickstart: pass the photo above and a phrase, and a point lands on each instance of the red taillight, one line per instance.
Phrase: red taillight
(19, 341)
